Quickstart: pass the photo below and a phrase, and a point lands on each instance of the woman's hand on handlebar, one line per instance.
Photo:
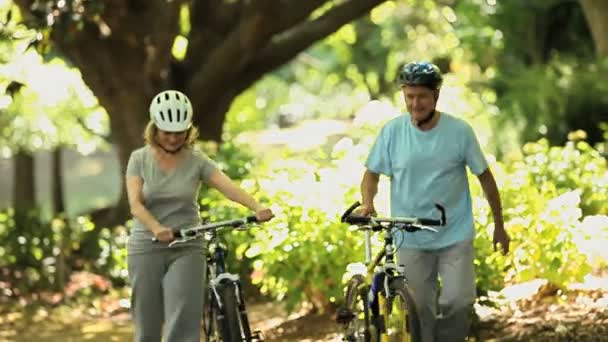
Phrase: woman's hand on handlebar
(164, 234)
(264, 214)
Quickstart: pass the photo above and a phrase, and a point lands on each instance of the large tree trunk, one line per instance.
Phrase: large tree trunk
(596, 12)
(24, 191)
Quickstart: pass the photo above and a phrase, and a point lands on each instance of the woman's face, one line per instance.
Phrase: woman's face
(171, 141)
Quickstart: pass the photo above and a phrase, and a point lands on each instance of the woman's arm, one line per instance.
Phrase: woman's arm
(233, 192)
(138, 210)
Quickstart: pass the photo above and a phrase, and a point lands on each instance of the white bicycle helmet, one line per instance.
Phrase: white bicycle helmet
(171, 111)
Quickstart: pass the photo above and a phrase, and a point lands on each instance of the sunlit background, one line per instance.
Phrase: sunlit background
(298, 139)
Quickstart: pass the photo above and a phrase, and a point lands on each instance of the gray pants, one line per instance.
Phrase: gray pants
(167, 288)
(454, 266)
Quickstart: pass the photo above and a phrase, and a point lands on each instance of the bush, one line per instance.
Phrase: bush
(546, 192)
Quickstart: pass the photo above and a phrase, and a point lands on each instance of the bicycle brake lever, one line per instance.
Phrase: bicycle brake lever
(427, 228)
(181, 240)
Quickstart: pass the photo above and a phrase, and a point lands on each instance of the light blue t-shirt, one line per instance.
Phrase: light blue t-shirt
(427, 167)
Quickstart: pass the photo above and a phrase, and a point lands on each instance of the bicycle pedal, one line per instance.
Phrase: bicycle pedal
(344, 316)
(257, 336)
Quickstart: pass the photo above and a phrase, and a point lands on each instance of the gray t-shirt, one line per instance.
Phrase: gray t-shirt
(170, 196)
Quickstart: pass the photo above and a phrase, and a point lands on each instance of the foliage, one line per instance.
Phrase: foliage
(41, 255)
(539, 60)
(551, 100)
(546, 192)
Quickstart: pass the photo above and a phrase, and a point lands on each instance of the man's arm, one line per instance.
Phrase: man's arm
(490, 189)
(369, 189)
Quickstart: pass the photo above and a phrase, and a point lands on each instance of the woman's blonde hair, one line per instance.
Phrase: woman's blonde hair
(151, 131)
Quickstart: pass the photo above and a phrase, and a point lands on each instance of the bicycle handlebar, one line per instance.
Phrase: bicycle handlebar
(408, 221)
(191, 233)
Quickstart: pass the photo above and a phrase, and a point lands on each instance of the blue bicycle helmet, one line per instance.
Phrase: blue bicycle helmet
(420, 74)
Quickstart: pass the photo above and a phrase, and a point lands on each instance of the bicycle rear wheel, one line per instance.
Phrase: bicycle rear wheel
(402, 320)
(355, 316)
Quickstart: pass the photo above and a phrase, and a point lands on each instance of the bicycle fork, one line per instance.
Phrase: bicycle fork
(234, 281)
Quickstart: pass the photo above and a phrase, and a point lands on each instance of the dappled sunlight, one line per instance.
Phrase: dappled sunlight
(307, 136)
(375, 112)
(592, 239)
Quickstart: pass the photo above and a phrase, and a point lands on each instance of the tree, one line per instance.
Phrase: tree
(125, 50)
(595, 12)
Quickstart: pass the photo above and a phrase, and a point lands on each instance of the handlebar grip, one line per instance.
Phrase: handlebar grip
(429, 222)
(252, 219)
(357, 219)
(176, 234)
(348, 211)
(442, 210)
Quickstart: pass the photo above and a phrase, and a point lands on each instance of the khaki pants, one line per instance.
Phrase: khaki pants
(447, 320)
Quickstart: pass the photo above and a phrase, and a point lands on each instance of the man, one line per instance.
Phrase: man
(425, 153)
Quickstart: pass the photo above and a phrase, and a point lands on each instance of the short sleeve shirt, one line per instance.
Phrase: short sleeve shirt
(170, 196)
(428, 167)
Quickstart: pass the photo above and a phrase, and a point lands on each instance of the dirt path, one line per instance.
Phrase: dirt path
(580, 315)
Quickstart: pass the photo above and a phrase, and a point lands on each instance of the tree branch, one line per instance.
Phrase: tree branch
(302, 36)
(83, 125)
(293, 12)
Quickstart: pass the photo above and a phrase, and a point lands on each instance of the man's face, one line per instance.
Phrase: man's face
(171, 141)
(419, 100)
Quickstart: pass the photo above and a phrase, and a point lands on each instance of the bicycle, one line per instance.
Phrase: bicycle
(225, 314)
(379, 305)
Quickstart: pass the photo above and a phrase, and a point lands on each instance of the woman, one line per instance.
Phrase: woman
(163, 179)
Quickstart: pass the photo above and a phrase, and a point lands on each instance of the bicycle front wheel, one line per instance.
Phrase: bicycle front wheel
(402, 320)
(356, 316)
(228, 318)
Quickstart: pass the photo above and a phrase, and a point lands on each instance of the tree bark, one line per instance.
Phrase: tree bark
(596, 12)
(57, 173)
(59, 210)
(24, 191)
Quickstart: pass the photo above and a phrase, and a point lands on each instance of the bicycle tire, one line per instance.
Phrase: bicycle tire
(229, 318)
(358, 328)
(210, 329)
(250, 336)
(402, 321)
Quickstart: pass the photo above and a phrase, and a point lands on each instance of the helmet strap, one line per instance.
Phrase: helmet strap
(427, 119)
(431, 114)
(170, 152)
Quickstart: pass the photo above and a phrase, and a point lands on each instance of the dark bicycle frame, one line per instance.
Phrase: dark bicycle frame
(217, 270)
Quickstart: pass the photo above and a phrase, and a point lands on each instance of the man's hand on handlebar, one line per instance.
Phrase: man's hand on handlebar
(364, 210)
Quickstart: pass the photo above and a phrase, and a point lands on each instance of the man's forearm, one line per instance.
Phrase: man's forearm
(369, 188)
(490, 190)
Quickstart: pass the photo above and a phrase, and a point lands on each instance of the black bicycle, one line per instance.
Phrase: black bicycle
(225, 314)
(379, 305)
